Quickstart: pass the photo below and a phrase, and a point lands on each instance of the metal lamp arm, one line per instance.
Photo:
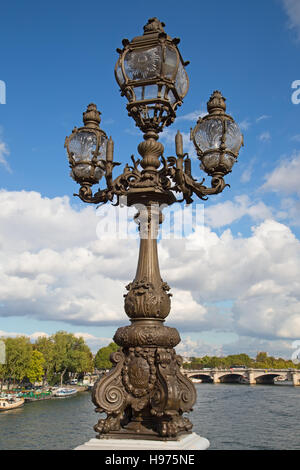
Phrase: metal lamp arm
(187, 185)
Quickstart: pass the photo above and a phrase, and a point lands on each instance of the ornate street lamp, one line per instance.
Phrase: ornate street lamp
(217, 138)
(151, 74)
(145, 394)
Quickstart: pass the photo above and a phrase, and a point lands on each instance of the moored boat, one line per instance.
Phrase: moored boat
(10, 403)
(243, 380)
(65, 392)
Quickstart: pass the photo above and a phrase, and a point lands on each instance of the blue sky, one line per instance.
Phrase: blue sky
(58, 57)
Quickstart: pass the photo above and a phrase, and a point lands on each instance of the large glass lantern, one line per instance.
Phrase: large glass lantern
(217, 138)
(86, 148)
(151, 74)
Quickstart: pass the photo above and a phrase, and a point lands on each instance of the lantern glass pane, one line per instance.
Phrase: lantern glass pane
(85, 171)
(82, 145)
(163, 91)
(209, 134)
(234, 137)
(102, 147)
(171, 97)
(151, 92)
(147, 92)
(140, 65)
(181, 82)
(228, 161)
(210, 161)
(170, 63)
(119, 74)
(150, 112)
(139, 91)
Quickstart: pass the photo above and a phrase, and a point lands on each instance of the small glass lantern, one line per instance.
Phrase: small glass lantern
(86, 148)
(151, 74)
(217, 138)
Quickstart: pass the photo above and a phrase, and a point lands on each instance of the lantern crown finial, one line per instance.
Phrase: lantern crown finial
(91, 117)
(216, 103)
(154, 26)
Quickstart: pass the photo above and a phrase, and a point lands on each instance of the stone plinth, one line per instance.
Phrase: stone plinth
(187, 442)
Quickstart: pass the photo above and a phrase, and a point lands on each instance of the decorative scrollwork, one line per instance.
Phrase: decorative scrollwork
(152, 171)
(146, 381)
(146, 300)
(139, 372)
(187, 185)
(108, 394)
(110, 397)
(142, 335)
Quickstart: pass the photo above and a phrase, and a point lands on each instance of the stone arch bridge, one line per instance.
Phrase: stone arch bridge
(242, 375)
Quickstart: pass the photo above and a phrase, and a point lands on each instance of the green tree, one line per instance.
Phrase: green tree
(45, 345)
(18, 354)
(102, 358)
(2, 375)
(239, 360)
(81, 358)
(261, 357)
(71, 354)
(35, 370)
(2, 366)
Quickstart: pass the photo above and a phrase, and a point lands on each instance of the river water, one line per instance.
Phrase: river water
(231, 416)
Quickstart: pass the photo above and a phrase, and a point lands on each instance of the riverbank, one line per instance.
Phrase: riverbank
(41, 394)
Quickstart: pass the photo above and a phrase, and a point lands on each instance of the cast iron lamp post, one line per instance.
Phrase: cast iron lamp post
(145, 394)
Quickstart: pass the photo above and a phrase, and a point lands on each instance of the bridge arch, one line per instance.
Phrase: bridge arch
(205, 378)
(266, 378)
(233, 377)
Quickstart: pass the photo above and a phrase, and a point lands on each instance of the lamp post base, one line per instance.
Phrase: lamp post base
(186, 442)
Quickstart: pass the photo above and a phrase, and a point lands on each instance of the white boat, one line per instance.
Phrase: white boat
(196, 381)
(65, 392)
(244, 380)
(10, 403)
(280, 379)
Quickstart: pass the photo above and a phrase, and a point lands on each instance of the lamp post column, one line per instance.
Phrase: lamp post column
(145, 394)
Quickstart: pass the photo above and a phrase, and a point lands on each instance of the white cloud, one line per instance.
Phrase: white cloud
(225, 213)
(4, 153)
(262, 118)
(285, 177)
(260, 273)
(251, 346)
(244, 125)
(292, 9)
(244, 344)
(290, 210)
(246, 175)
(94, 342)
(193, 116)
(168, 139)
(265, 136)
(53, 267)
(197, 348)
